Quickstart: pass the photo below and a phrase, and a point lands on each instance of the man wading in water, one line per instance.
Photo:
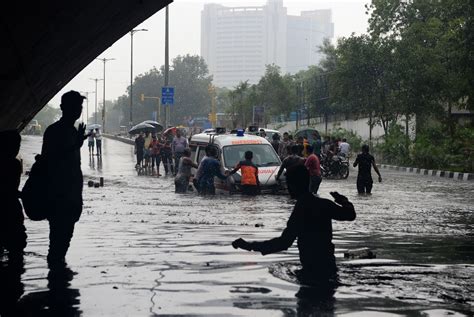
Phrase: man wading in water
(310, 222)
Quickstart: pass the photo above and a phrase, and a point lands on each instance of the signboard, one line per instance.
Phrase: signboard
(167, 95)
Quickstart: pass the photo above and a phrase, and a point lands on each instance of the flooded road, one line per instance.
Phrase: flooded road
(142, 250)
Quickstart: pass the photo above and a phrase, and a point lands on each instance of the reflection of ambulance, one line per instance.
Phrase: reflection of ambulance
(231, 149)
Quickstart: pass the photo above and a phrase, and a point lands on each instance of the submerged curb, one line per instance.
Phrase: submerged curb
(428, 172)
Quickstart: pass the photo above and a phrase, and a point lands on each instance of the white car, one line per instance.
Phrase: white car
(231, 149)
(269, 133)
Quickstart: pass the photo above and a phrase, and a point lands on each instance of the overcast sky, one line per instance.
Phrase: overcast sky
(185, 33)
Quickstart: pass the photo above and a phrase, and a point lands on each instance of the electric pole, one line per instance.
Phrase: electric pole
(95, 110)
(167, 65)
(131, 72)
(104, 60)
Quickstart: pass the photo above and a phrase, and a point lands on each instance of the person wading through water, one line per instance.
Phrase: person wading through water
(364, 177)
(249, 171)
(311, 223)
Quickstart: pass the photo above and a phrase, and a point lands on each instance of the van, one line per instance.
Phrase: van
(231, 149)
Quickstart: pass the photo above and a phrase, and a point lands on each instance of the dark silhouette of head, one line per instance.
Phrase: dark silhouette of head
(187, 153)
(297, 180)
(295, 149)
(11, 140)
(178, 133)
(248, 155)
(365, 148)
(310, 149)
(71, 105)
(344, 140)
(212, 151)
(275, 136)
(207, 149)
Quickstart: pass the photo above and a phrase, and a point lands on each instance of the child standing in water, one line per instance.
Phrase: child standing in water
(12, 230)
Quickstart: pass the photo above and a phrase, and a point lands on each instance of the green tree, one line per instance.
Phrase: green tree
(189, 76)
(240, 108)
(47, 116)
(274, 91)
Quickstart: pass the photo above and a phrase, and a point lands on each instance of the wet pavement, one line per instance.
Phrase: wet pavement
(142, 250)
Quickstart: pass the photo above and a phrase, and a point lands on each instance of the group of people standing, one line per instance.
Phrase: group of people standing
(94, 135)
(301, 152)
(151, 150)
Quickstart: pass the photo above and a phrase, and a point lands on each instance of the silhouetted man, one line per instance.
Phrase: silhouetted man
(364, 177)
(12, 230)
(310, 222)
(61, 150)
(290, 161)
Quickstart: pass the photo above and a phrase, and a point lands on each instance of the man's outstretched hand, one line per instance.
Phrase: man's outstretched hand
(338, 198)
(241, 244)
(82, 130)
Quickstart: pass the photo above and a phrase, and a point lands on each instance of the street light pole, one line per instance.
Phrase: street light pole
(104, 60)
(167, 64)
(95, 111)
(87, 105)
(131, 72)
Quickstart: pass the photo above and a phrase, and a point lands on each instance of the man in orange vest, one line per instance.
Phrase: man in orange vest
(249, 171)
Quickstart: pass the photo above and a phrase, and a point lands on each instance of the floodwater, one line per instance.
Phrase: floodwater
(142, 250)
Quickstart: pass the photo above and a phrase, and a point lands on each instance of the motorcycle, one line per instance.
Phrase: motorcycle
(334, 167)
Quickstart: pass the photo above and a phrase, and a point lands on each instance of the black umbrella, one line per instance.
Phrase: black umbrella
(142, 127)
(157, 125)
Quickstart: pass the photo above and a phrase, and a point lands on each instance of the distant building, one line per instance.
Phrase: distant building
(237, 42)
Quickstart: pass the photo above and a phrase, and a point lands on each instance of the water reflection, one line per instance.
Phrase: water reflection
(11, 287)
(92, 162)
(58, 300)
(316, 301)
(95, 162)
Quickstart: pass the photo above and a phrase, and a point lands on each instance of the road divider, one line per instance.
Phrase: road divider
(435, 173)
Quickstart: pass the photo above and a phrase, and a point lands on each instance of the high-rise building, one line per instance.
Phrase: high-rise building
(237, 42)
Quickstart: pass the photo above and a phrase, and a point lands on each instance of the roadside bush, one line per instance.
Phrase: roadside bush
(434, 148)
(392, 148)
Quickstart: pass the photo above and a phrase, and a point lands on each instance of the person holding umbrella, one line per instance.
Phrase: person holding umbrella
(139, 147)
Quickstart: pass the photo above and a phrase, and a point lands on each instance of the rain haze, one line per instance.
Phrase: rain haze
(293, 159)
(185, 35)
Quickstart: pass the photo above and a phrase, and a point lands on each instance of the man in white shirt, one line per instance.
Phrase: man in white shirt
(179, 144)
(98, 142)
(344, 148)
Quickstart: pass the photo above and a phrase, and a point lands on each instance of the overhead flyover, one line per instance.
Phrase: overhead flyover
(46, 43)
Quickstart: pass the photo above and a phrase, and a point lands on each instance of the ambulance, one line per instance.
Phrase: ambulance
(230, 150)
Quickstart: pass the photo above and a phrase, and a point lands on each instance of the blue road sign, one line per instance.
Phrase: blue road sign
(167, 95)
